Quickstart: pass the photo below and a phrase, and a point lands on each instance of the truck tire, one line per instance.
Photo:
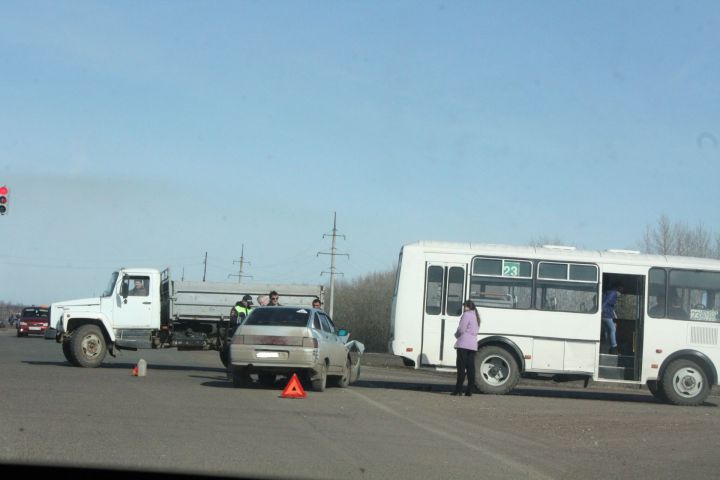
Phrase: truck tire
(319, 382)
(684, 382)
(496, 370)
(67, 352)
(88, 346)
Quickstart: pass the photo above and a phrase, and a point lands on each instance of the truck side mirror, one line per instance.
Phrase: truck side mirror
(124, 288)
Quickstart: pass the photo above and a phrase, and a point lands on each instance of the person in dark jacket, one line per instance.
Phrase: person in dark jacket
(609, 315)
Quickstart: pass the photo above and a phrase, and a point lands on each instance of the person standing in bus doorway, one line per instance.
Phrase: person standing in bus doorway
(466, 347)
(609, 315)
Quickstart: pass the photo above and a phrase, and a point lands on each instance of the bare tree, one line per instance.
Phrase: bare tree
(677, 238)
(363, 307)
(545, 240)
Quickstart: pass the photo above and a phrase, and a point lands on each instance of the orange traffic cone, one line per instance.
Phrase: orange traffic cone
(293, 389)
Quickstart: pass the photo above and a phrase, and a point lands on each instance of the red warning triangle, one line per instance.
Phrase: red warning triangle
(293, 389)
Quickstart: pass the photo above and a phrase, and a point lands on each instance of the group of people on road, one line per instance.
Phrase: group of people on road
(242, 308)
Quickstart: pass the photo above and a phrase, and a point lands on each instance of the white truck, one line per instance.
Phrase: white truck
(145, 308)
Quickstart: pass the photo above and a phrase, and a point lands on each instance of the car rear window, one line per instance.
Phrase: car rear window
(35, 313)
(285, 317)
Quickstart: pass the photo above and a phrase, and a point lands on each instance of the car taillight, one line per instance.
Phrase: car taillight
(310, 342)
(238, 340)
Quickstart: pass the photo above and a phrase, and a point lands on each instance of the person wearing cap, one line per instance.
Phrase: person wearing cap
(240, 311)
(244, 309)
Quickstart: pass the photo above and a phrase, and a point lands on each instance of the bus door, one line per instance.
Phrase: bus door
(444, 294)
(626, 362)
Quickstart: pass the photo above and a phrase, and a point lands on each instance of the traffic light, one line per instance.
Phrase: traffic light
(3, 199)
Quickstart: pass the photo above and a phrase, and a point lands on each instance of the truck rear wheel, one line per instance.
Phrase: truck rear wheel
(88, 346)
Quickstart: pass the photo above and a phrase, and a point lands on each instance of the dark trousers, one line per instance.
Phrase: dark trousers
(465, 366)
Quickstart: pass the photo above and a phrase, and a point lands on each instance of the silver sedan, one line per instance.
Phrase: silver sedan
(283, 340)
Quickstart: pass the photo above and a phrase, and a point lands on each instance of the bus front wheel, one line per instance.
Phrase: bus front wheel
(496, 370)
(684, 382)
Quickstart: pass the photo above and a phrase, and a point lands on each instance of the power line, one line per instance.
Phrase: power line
(333, 253)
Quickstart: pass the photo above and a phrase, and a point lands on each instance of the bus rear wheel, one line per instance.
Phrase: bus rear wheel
(685, 383)
(496, 371)
(657, 390)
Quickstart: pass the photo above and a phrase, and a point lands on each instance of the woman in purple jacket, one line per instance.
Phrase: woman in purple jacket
(466, 347)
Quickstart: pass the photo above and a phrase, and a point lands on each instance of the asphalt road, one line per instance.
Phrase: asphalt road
(395, 423)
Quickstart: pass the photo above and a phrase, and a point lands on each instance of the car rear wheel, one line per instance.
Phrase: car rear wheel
(88, 346)
(266, 379)
(240, 378)
(319, 382)
(344, 381)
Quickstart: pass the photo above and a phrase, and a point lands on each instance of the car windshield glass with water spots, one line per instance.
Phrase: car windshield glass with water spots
(284, 317)
(35, 313)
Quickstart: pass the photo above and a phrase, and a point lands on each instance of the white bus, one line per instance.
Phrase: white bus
(541, 315)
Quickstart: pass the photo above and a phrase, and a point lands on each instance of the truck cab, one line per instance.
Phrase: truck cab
(126, 314)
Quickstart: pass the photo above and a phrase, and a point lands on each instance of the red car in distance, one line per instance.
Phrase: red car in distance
(33, 321)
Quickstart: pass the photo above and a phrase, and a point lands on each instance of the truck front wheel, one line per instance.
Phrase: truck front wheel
(68, 353)
(88, 346)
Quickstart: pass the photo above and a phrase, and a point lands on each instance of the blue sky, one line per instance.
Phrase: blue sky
(146, 133)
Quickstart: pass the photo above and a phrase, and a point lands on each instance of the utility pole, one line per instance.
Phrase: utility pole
(205, 268)
(333, 253)
(183, 275)
(242, 262)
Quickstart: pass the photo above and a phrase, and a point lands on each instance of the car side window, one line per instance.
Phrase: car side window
(316, 322)
(332, 325)
(326, 324)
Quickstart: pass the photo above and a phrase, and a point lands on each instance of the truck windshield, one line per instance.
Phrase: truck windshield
(111, 285)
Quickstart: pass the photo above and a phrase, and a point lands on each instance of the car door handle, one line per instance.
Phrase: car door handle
(147, 303)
